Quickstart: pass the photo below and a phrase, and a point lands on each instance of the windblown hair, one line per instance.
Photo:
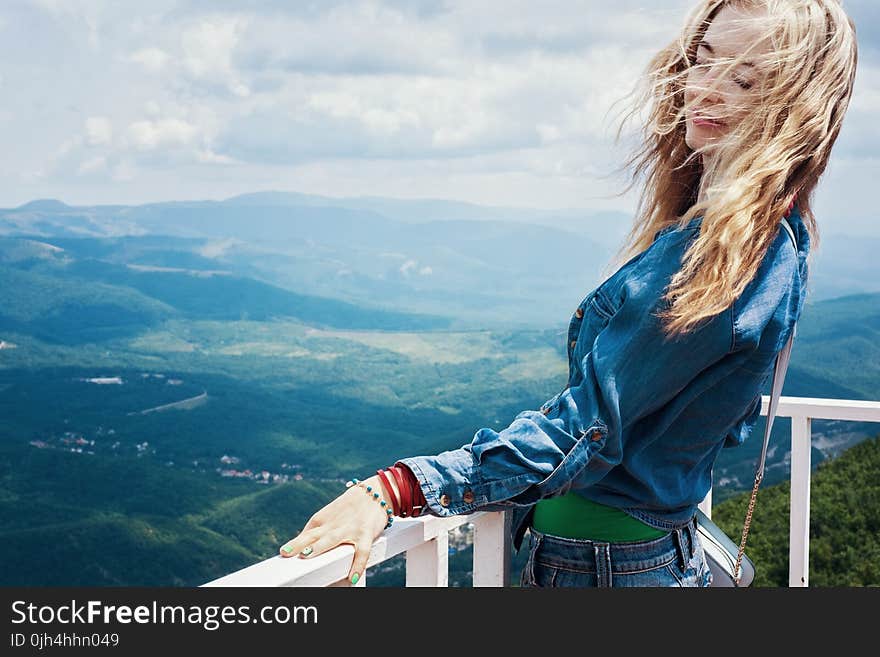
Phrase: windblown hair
(777, 152)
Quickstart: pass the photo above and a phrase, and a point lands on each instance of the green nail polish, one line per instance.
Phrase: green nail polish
(355, 578)
(287, 549)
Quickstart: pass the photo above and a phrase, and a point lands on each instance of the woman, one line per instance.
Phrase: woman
(669, 355)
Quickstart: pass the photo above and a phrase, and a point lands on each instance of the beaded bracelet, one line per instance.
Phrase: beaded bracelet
(374, 495)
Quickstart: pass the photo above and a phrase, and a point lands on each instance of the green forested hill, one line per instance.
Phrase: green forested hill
(838, 341)
(844, 522)
(132, 522)
(318, 388)
(60, 309)
(76, 301)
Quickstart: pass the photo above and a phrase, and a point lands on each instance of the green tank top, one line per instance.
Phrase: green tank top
(574, 516)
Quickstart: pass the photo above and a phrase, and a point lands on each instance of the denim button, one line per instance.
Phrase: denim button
(444, 500)
(468, 497)
(573, 343)
(597, 435)
(579, 313)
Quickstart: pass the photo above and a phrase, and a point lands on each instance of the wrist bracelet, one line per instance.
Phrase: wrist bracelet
(417, 497)
(375, 496)
(403, 487)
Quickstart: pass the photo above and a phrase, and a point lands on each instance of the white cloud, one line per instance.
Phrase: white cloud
(208, 48)
(99, 131)
(152, 59)
(149, 135)
(124, 172)
(498, 101)
(83, 16)
(217, 248)
(208, 156)
(378, 121)
(548, 132)
(31, 177)
(412, 266)
(67, 147)
(92, 165)
(357, 38)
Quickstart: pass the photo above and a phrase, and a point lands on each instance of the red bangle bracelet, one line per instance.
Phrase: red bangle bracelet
(395, 502)
(415, 497)
(403, 487)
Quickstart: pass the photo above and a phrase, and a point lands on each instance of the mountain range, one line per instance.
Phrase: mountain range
(184, 374)
(483, 266)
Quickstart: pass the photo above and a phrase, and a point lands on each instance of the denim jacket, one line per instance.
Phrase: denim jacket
(642, 418)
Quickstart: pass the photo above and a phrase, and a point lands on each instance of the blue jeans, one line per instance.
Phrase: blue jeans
(676, 559)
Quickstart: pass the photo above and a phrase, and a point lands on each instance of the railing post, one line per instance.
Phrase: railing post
(492, 549)
(428, 564)
(799, 520)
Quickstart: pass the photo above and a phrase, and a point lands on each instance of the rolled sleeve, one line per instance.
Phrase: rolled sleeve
(499, 468)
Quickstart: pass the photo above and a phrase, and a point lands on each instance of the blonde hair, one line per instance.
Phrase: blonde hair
(776, 152)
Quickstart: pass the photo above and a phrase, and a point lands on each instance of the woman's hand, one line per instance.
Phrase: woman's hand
(354, 517)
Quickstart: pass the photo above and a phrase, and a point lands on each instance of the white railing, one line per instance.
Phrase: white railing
(426, 540)
(802, 410)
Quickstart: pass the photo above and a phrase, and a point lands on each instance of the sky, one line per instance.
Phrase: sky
(497, 102)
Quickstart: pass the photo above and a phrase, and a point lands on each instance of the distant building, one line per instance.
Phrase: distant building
(105, 380)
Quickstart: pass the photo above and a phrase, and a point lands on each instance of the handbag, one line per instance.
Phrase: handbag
(729, 564)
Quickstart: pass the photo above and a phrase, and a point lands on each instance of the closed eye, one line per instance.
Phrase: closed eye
(744, 84)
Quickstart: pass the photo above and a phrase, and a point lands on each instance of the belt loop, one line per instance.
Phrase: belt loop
(678, 534)
(602, 553)
(536, 538)
(692, 536)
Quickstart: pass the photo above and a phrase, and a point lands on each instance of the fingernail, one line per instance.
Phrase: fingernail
(355, 578)
(287, 549)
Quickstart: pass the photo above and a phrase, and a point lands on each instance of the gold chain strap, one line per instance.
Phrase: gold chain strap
(748, 523)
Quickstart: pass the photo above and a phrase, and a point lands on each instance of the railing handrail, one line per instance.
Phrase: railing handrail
(414, 535)
(817, 408)
(332, 566)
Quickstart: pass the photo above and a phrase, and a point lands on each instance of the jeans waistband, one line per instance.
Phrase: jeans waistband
(596, 556)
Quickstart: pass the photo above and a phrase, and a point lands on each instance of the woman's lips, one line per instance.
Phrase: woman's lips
(704, 122)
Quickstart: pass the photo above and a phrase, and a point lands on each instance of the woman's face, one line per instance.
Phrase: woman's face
(732, 32)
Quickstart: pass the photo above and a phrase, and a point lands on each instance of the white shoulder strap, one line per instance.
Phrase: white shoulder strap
(787, 227)
(779, 370)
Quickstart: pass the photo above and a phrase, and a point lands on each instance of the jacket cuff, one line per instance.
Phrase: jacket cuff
(453, 491)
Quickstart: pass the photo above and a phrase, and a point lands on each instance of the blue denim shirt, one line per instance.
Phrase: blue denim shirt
(642, 419)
